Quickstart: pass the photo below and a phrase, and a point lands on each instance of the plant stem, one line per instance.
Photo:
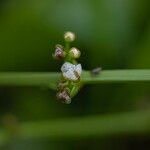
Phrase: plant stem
(67, 47)
(118, 76)
(44, 79)
(50, 79)
(131, 123)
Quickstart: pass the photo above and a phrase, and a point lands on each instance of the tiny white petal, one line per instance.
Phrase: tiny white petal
(70, 75)
(78, 69)
(67, 66)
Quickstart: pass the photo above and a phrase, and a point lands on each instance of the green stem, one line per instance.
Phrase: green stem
(51, 79)
(119, 76)
(44, 79)
(67, 47)
(75, 89)
(86, 127)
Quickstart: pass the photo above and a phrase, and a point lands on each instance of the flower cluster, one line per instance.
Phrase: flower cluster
(71, 70)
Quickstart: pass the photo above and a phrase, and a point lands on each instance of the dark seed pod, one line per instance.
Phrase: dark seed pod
(64, 96)
(96, 71)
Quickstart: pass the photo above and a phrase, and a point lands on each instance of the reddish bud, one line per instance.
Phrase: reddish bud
(59, 53)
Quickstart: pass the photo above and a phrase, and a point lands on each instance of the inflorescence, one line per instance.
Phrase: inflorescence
(71, 71)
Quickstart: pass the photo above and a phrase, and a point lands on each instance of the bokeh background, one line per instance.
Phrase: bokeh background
(113, 34)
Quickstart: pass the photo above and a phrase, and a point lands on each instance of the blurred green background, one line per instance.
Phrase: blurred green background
(113, 34)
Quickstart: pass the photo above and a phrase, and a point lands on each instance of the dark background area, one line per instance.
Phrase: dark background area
(113, 34)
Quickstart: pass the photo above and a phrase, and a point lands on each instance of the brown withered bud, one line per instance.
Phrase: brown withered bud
(64, 96)
(59, 53)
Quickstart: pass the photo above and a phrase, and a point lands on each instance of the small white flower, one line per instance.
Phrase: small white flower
(74, 52)
(69, 36)
(71, 72)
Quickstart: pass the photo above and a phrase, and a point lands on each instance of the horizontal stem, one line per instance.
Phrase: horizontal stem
(119, 76)
(45, 79)
(130, 123)
(50, 79)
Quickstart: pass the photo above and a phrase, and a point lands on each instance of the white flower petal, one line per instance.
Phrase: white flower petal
(67, 66)
(69, 75)
(78, 69)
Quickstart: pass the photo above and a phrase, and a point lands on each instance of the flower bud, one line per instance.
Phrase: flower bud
(74, 52)
(59, 53)
(69, 36)
(64, 96)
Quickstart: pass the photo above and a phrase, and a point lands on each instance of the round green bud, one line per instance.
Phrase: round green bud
(69, 36)
(74, 52)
